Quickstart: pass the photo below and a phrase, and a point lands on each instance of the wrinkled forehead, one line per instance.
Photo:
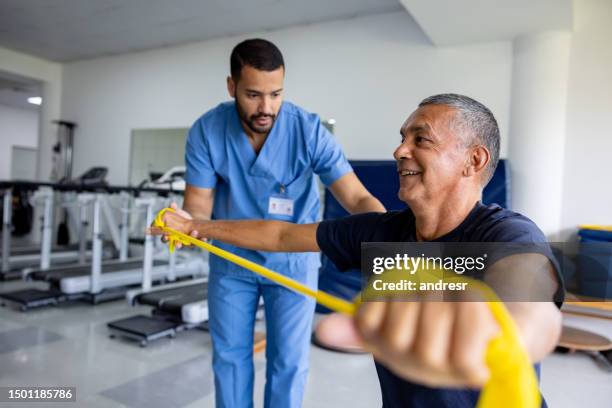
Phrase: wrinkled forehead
(437, 119)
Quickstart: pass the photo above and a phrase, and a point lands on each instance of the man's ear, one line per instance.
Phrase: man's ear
(478, 159)
(231, 86)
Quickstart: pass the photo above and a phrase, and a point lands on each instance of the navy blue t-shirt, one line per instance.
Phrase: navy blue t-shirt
(341, 239)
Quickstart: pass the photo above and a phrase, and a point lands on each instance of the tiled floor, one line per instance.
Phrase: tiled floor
(69, 346)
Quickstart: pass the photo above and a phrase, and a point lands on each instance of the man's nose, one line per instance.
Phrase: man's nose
(403, 151)
(265, 106)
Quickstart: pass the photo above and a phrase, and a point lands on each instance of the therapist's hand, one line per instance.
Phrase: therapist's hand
(438, 344)
(179, 220)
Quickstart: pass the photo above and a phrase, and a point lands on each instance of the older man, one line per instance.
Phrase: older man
(448, 152)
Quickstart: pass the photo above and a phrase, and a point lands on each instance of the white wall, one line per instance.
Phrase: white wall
(587, 193)
(367, 73)
(540, 75)
(50, 74)
(18, 127)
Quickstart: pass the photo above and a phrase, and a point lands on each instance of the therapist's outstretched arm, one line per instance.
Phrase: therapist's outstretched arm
(353, 196)
(270, 236)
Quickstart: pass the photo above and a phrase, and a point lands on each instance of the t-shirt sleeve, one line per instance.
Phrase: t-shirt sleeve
(341, 239)
(199, 168)
(521, 235)
(328, 160)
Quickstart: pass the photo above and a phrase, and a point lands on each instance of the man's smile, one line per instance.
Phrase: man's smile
(409, 172)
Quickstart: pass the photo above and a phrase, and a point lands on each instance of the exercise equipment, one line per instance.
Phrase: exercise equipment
(174, 179)
(62, 150)
(100, 281)
(588, 308)
(62, 168)
(598, 347)
(45, 193)
(14, 259)
(177, 306)
(23, 213)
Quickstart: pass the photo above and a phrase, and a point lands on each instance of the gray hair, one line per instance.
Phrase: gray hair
(479, 122)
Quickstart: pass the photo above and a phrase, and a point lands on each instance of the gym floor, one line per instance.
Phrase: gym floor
(69, 345)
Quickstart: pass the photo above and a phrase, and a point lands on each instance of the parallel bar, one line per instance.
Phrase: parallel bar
(124, 228)
(83, 231)
(7, 214)
(96, 261)
(111, 223)
(47, 231)
(148, 248)
(171, 267)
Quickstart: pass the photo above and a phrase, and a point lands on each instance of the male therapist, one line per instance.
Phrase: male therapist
(256, 157)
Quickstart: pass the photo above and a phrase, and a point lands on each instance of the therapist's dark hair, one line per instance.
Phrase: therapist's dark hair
(257, 53)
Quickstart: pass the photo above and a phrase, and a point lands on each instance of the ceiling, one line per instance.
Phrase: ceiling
(454, 22)
(68, 30)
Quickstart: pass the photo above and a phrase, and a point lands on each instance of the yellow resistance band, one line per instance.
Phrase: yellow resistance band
(512, 384)
(334, 303)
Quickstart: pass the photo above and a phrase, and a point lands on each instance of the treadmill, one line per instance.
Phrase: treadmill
(177, 307)
(32, 298)
(15, 259)
(188, 302)
(99, 281)
(76, 282)
(35, 249)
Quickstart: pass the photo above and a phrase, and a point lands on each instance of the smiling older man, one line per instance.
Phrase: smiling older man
(428, 354)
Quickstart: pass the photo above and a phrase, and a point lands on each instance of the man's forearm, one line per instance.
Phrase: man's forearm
(259, 235)
(539, 324)
(353, 196)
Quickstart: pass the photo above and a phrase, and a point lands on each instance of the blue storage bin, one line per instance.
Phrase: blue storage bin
(590, 235)
(599, 290)
(594, 263)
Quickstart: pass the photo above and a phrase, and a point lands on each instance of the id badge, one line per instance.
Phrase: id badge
(280, 204)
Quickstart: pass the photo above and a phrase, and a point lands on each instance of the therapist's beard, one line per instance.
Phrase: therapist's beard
(250, 120)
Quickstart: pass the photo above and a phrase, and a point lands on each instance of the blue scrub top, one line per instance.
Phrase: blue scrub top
(218, 155)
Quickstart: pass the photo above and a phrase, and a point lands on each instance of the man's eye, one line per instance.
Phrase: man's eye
(420, 139)
(252, 95)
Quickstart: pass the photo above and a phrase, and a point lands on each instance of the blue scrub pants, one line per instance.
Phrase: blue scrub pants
(232, 303)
